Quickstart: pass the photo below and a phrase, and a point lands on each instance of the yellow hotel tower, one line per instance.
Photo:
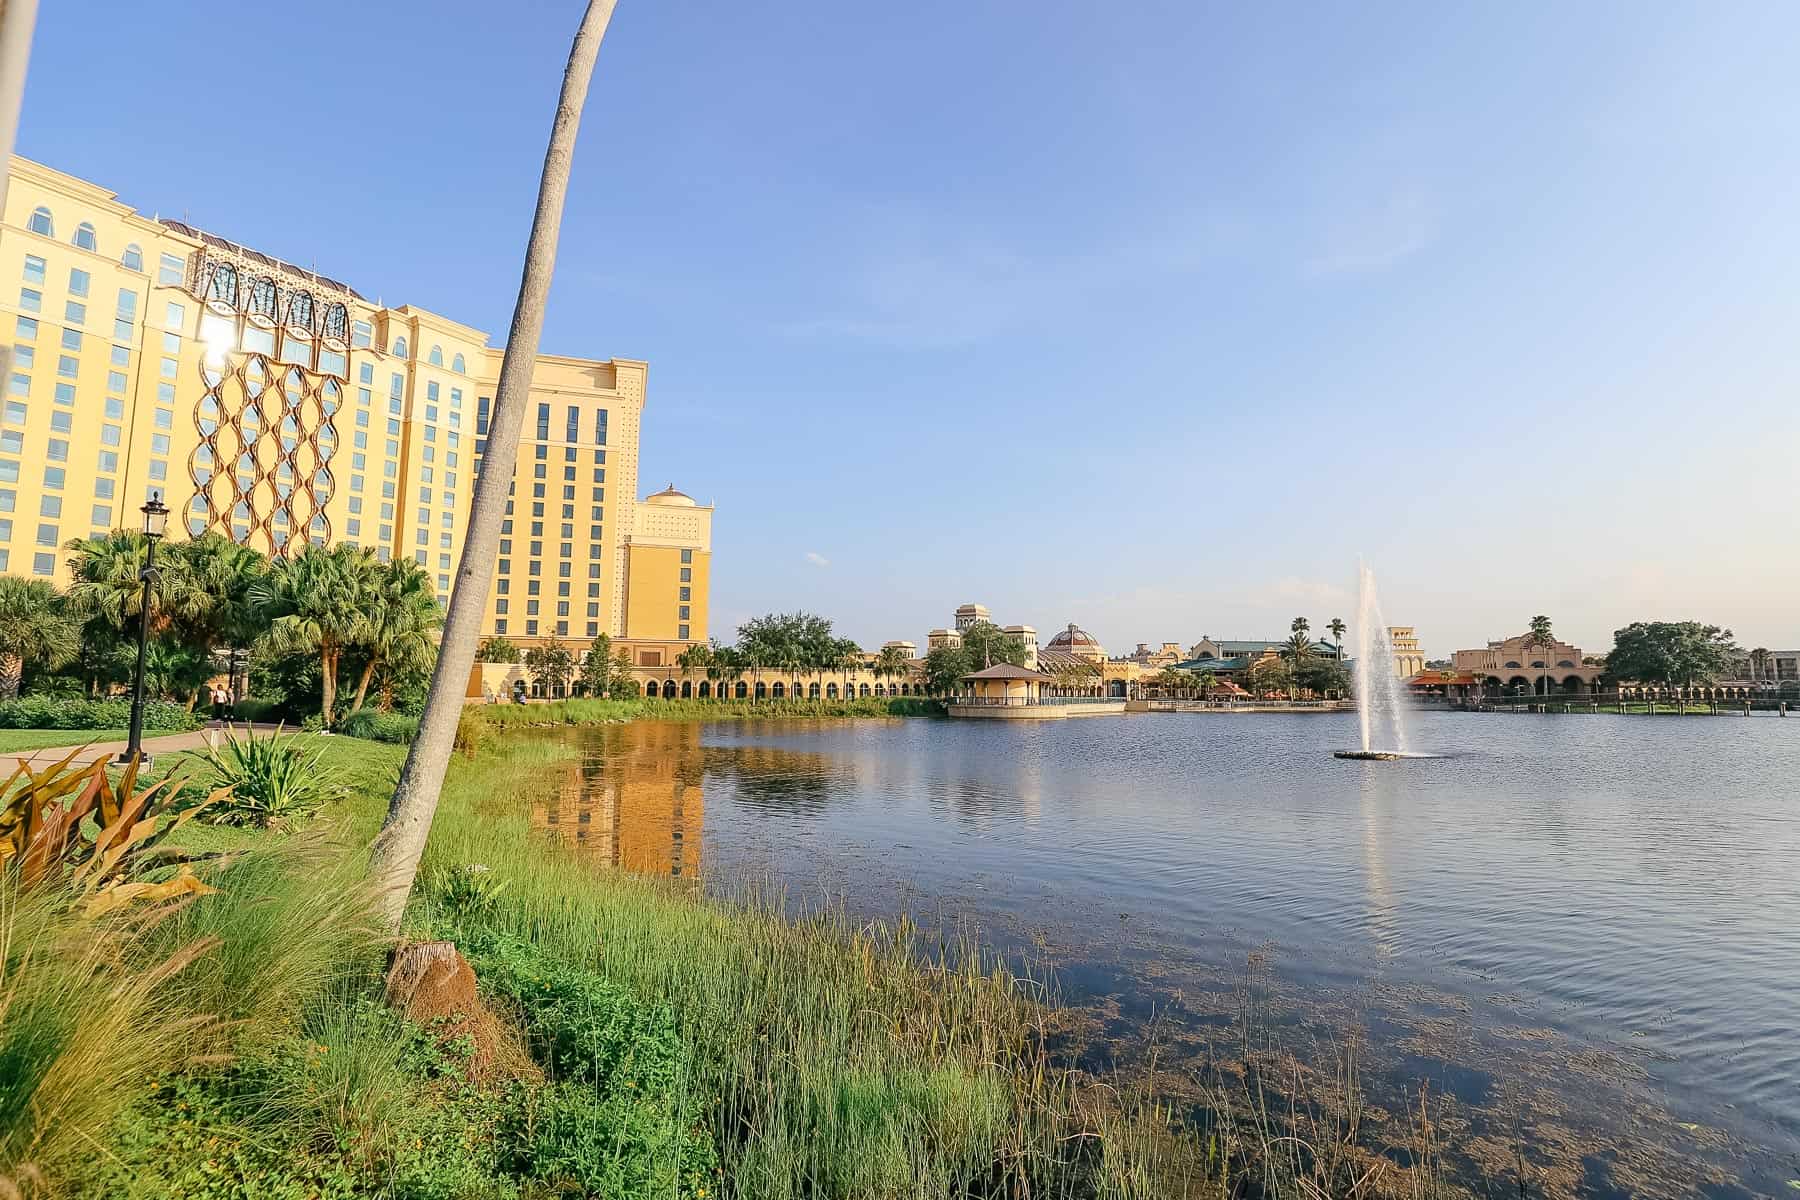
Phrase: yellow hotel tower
(279, 406)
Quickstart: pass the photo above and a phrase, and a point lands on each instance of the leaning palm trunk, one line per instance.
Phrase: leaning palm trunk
(395, 857)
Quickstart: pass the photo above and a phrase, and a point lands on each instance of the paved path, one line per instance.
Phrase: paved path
(166, 743)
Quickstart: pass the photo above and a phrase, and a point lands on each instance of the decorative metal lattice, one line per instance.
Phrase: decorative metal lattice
(261, 470)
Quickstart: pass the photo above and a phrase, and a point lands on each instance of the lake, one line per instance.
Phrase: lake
(1581, 934)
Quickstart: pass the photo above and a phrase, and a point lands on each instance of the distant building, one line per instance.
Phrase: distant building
(942, 637)
(1028, 637)
(972, 614)
(910, 649)
(1078, 642)
(1409, 660)
(1514, 665)
(1167, 655)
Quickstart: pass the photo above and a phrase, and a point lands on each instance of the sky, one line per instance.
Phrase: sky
(1152, 316)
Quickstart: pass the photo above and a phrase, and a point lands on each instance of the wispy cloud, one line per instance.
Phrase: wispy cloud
(817, 559)
(954, 290)
(1377, 234)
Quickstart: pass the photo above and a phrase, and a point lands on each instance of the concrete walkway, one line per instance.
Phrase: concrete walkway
(167, 743)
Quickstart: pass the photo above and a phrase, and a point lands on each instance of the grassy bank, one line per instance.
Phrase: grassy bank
(647, 1043)
(601, 712)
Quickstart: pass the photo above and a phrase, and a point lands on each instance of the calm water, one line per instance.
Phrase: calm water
(1580, 928)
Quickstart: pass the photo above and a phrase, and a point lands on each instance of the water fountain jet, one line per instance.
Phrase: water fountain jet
(1380, 708)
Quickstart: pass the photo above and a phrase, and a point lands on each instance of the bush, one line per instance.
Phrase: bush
(273, 780)
(42, 712)
(377, 726)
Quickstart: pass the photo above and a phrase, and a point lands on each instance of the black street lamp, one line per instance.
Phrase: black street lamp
(156, 520)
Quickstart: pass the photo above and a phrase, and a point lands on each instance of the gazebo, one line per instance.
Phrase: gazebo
(1005, 685)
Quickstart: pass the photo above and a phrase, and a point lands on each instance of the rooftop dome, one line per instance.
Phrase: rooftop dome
(1074, 635)
(670, 496)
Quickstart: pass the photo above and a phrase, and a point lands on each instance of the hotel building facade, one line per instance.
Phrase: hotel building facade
(280, 407)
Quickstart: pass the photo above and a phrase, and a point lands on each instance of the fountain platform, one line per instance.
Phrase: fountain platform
(1374, 755)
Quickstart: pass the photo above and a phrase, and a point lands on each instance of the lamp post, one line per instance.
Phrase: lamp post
(156, 520)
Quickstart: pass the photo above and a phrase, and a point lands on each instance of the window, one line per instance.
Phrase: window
(362, 335)
(9, 471)
(25, 327)
(599, 429)
(84, 237)
(50, 506)
(687, 556)
(687, 574)
(572, 426)
(34, 269)
(54, 478)
(543, 425)
(481, 415)
(41, 222)
(174, 316)
(300, 311)
(681, 632)
(79, 282)
(24, 356)
(337, 322)
(436, 357)
(171, 270)
(132, 259)
(68, 366)
(43, 564)
(31, 300)
(127, 306)
(223, 287)
(456, 364)
(19, 385)
(399, 349)
(75, 312)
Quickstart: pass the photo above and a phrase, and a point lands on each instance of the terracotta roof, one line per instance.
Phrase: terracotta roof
(1008, 671)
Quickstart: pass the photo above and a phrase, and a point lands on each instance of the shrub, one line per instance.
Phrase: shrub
(377, 726)
(45, 712)
(273, 780)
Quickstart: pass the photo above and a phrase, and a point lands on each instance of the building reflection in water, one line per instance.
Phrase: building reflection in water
(632, 801)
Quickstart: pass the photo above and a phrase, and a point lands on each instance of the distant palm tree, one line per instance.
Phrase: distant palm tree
(33, 629)
(318, 601)
(1759, 663)
(694, 660)
(1297, 649)
(400, 632)
(1337, 628)
(224, 571)
(891, 664)
(107, 583)
(1541, 637)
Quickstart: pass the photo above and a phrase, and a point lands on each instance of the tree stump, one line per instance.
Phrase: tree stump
(428, 981)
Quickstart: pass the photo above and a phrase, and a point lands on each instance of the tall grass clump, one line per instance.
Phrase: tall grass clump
(274, 780)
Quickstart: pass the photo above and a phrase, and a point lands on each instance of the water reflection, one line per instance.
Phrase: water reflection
(635, 803)
(1377, 887)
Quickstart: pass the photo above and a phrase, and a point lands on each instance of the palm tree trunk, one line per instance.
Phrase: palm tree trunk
(362, 685)
(394, 861)
(12, 671)
(328, 664)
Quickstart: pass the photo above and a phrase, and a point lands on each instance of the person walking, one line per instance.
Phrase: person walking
(218, 705)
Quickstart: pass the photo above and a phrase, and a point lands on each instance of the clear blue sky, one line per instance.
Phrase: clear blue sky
(1151, 316)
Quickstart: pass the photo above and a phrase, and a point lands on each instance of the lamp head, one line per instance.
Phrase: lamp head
(156, 516)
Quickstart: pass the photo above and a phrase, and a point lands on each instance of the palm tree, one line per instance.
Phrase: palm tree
(34, 629)
(1759, 663)
(224, 572)
(892, 663)
(107, 583)
(395, 859)
(318, 602)
(1297, 649)
(1541, 637)
(403, 619)
(1337, 629)
(696, 659)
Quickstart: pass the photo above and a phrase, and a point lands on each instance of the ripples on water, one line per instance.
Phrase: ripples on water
(1628, 883)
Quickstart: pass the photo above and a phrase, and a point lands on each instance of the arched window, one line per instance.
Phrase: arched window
(436, 357)
(262, 299)
(300, 310)
(456, 364)
(337, 322)
(42, 222)
(400, 347)
(132, 259)
(224, 285)
(84, 237)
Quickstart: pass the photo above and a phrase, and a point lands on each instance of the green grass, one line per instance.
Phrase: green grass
(38, 739)
(602, 712)
(236, 1046)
